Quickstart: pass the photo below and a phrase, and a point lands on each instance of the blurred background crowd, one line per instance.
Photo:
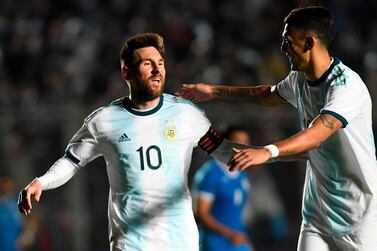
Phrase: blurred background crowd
(59, 61)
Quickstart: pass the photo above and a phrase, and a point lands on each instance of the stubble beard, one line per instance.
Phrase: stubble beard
(147, 93)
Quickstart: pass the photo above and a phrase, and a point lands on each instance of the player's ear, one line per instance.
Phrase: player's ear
(125, 72)
(309, 42)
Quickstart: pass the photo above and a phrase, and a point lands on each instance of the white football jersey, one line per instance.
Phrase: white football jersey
(147, 154)
(340, 191)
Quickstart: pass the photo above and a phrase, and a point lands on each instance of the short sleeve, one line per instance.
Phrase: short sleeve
(345, 99)
(200, 124)
(83, 147)
(286, 88)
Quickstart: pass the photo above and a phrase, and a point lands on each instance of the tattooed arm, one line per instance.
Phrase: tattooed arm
(262, 94)
(322, 127)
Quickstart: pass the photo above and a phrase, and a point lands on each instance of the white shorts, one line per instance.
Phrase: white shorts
(363, 240)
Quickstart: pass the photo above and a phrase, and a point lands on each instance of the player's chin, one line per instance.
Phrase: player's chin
(156, 92)
(293, 66)
(297, 66)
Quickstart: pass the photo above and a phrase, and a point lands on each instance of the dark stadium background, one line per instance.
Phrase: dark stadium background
(59, 61)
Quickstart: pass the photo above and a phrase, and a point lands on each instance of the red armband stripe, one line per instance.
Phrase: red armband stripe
(211, 140)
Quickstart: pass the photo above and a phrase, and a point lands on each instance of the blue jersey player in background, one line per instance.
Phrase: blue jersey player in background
(10, 221)
(220, 197)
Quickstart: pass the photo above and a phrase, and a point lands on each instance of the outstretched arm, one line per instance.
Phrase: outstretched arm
(81, 149)
(59, 173)
(320, 130)
(224, 152)
(221, 149)
(263, 94)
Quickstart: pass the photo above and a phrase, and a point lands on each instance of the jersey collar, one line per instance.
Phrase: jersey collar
(128, 106)
(325, 74)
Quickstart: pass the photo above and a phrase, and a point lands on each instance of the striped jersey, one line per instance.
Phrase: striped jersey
(147, 155)
(340, 191)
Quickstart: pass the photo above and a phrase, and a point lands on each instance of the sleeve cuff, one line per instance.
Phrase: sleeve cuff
(277, 92)
(42, 180)
(206, 195)
(336, 115)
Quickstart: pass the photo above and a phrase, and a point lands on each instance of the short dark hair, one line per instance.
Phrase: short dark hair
(316, 19)
(140, 41)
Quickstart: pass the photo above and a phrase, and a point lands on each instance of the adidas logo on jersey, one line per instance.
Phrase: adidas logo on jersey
(124, 138)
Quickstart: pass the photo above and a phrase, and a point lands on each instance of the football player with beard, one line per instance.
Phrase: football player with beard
(147, 141)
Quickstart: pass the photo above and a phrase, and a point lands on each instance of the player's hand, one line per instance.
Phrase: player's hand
(197, 93)
(238, 238)
(33, 190)
(245, 158)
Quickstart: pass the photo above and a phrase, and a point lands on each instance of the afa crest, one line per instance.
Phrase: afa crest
(170, 131)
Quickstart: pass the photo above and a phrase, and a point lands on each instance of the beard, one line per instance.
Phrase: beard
(144, 92)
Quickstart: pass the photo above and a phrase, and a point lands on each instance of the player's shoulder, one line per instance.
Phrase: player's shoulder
(343, 76)
(185, 103)
(295, 76)
(210, 168)
(291, 80)
(103, 109)
(207, 171)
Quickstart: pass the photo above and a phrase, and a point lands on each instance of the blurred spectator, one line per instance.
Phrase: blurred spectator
(10, 221)
(16, 234)
(219, 200)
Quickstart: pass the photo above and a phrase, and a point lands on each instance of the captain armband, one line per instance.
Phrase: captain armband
(211, 140)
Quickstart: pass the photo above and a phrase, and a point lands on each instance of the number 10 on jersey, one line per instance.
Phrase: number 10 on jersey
(149, 153)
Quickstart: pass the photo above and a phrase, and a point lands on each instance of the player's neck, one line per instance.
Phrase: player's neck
(318, 66)
(143, 104)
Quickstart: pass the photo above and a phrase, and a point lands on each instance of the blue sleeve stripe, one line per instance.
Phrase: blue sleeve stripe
(72, 158)
(336, 115)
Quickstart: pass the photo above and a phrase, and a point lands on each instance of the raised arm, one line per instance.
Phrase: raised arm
(320, 130)
(263, 94)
